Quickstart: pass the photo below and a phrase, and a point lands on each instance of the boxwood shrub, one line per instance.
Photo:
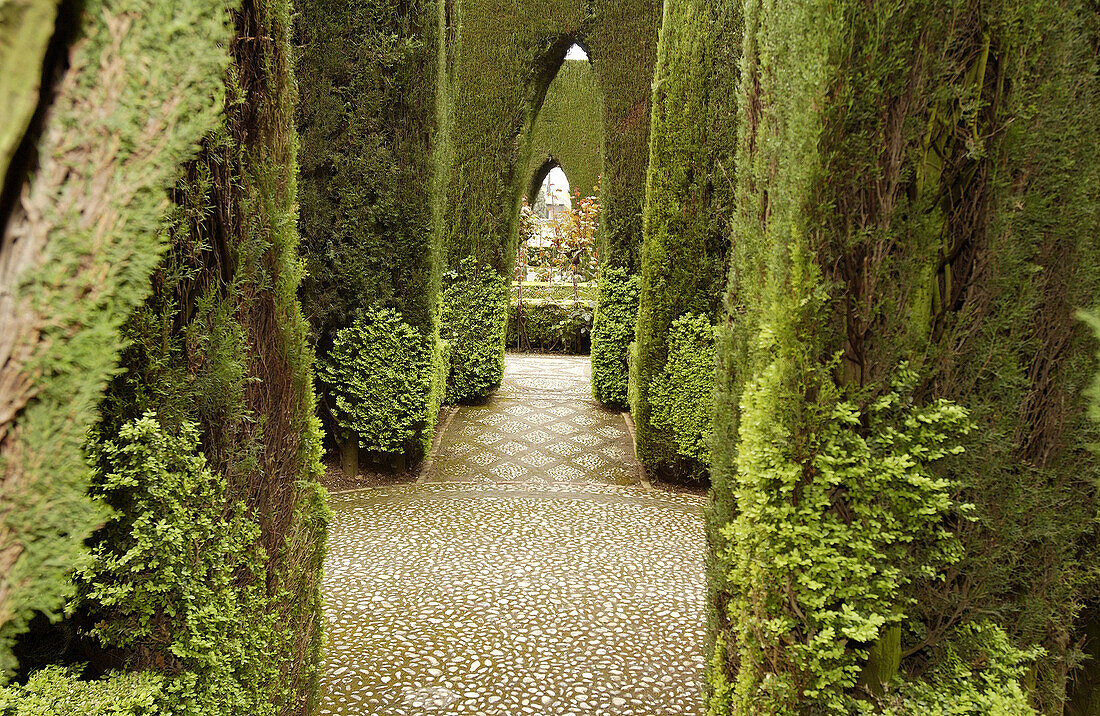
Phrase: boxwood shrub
(612, 334)
(682, 396)
(474, 324)
(381, 374)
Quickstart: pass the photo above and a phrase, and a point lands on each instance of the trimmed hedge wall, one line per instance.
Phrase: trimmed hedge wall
(551, 326)
(688, 202)
(497, 69)
(367, 115)
(77, 253)
(908, 250)
(559, 292)
(612, 335)
(568, 131)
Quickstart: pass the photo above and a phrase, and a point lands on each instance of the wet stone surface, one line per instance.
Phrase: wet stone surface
(528, 596)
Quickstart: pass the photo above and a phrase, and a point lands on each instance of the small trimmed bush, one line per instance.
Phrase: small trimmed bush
(612, 334)
(682, 397)
(550, 326)
(382, 376)
(475, 324)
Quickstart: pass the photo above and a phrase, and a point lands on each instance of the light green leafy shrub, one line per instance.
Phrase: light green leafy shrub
(550, 326)
(978, 672)
(177, 576)
(475, 325)
(683, 394)
(381, 376)
(612, 334)
(55, 691)
(839, 510)
(163, 565)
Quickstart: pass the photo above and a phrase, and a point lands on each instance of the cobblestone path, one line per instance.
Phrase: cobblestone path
(531, 573)
(541, 426)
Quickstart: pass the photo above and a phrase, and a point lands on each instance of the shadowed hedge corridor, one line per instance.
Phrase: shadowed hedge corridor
(821, 434)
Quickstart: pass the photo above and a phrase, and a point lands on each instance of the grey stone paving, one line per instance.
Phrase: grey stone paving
(489, 594)
(541, 426)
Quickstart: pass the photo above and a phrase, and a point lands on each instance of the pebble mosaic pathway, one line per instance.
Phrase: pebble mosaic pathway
(477, 593)
(541, 426)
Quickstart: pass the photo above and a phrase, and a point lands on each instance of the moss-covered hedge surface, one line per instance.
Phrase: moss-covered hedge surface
(569, 131)
(77, 252)
(200, 592)
(25, 33)
(900, 462)
(367, 114)
(687, 208)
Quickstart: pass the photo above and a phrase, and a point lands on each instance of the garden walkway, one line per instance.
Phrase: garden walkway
(530, 571)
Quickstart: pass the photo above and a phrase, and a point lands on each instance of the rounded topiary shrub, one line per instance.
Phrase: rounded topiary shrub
(683, 394)
(379, 378)
(612, 334)
(475, 323)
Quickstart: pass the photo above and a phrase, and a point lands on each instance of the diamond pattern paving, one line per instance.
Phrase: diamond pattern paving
(541, 426)
(529, 577)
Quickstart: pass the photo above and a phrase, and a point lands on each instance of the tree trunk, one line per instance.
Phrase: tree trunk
(349, 456)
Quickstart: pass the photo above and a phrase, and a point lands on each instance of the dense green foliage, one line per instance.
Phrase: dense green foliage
(550, 326)
(167, 570)
(498, 68)
(688, 187)
(25, 34)
(207, 447)
(569, 131)
(367, 114)
(915, 182)
(682, 395)
(55, 691)
(383, 377)
(612, 334)
(475, 326)
(75, 259)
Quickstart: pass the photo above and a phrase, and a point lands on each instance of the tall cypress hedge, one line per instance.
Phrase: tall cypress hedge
(25, 33)
(367, 116)
(203, 583)
(915, 221)
(569, 131)
(686, 232)
(497, 69)
(78, 247)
